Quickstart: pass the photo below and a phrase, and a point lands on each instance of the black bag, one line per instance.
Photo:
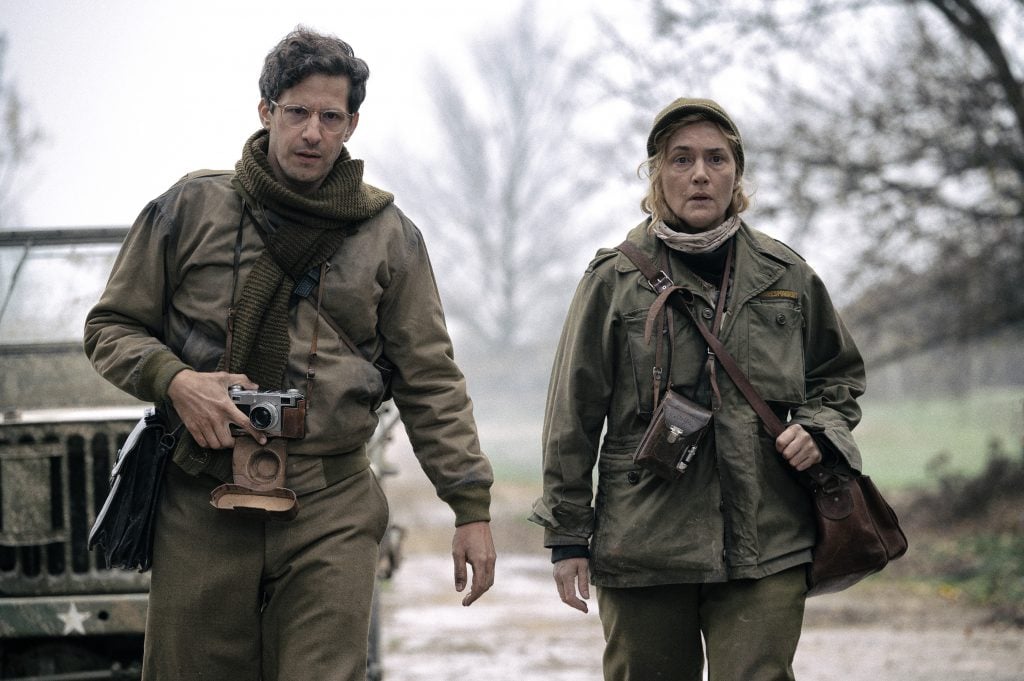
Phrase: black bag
(672, 438)
(858, 534)
(123, 531)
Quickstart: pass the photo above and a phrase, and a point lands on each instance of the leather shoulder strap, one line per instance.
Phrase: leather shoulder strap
(682, 300)
(656, 276)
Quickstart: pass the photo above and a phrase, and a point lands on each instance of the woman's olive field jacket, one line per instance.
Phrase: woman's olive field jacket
(739, 511)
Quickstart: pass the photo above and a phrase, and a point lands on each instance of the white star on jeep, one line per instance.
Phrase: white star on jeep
(74, 621)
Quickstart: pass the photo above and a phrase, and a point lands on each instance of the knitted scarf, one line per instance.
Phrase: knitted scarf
(300, 233)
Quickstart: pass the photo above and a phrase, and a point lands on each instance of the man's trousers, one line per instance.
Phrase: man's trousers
(234, 598)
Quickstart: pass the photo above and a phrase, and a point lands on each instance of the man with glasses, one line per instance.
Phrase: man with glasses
(289, 273)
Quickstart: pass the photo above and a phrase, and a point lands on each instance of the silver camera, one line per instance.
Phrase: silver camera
(277, 413)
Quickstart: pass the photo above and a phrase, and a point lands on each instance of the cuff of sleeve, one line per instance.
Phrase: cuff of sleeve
(829, 456)
(156, 373)
(559, 553)
(471, 504)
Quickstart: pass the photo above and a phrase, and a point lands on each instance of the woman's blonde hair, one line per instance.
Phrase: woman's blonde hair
(654, 203)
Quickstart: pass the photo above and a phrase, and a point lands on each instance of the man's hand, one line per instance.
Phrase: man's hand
(473, 544)
(568, 573)
(203, 403)
(798, 447)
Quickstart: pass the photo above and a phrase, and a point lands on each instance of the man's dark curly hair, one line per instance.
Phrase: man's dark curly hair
(303, 53)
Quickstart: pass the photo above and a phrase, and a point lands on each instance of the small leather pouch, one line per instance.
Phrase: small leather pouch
(258, 487)
(672, 438)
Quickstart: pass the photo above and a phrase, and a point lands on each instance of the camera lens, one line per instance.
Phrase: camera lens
(262, 416)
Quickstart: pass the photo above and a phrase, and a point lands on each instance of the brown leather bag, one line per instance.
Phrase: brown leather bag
(858, 532)
(672, 438)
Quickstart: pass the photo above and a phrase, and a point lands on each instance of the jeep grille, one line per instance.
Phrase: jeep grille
(54, 478)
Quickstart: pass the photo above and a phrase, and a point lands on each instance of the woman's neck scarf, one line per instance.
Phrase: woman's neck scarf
(701, 242)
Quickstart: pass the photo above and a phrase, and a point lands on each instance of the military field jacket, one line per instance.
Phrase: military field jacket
(739, 511)
(165, 308)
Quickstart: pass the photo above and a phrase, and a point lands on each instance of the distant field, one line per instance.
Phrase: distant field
(899, 439)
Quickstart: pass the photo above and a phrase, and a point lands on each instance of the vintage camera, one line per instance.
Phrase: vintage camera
(258, 471)
(276, 413)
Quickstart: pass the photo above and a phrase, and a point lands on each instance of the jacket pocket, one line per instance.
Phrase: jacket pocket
(685, 360)
(645, 524)
(775, 349)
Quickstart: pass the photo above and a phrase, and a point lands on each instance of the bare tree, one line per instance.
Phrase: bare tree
(18, 139)
(890, 132)
(504, 204)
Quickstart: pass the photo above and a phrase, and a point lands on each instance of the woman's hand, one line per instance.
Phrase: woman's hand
(798, 447)
(568, 574)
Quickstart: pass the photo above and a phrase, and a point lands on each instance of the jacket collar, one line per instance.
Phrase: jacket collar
(760, 259)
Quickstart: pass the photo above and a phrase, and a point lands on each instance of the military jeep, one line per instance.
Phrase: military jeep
(63, 615)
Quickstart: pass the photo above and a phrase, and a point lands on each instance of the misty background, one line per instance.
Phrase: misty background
(885, 143)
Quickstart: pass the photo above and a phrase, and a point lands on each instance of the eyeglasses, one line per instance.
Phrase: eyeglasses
(332, 120)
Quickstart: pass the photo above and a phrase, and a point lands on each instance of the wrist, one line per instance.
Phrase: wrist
(560, 553)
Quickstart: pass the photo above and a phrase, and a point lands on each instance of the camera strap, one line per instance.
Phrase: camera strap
(303, 289)
(230, 325)
(311, 359)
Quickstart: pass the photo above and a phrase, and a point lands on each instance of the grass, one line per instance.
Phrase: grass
(959, 495)
(902, 441)
(908, 443)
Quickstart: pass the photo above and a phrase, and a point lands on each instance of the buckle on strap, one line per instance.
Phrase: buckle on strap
(660, 282)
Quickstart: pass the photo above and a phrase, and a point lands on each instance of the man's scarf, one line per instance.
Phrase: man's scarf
(300, 232)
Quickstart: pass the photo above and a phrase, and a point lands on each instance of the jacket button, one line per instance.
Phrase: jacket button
(707, 313)
(781, 319)
(632, 477)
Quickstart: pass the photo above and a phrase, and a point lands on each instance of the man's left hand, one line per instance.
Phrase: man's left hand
(474, 545)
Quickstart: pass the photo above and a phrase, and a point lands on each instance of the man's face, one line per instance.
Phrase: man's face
(302, 157)
(698, 176)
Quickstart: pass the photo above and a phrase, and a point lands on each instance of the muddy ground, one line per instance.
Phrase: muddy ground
(521, 632)
(881, 630)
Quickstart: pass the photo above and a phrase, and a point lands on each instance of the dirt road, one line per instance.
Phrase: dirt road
(521, 632)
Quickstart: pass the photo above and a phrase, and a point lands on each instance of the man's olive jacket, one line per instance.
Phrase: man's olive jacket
(165, 309)
(739, 510)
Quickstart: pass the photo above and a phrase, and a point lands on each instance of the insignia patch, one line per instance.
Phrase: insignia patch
(780, 293)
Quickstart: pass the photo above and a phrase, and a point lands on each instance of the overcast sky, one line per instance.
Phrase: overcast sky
(132, 94)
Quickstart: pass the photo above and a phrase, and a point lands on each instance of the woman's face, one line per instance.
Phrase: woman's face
(698, 176)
